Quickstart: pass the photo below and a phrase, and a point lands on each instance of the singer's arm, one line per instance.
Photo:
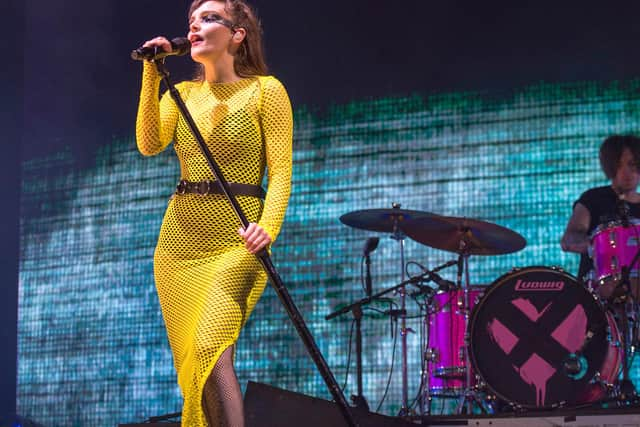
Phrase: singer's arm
(575, 238)
(277, 127)
(156, 120)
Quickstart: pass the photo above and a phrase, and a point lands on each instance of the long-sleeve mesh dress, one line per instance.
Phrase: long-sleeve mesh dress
(207, 282)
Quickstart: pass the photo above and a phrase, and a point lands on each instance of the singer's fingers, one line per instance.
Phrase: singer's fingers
(160, 41)
(255, 237)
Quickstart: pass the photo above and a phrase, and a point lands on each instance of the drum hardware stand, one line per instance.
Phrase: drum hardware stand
(627, 390)
(429, 355)
(469, 394)
(356, 309)
(264, 258)
(399, 236)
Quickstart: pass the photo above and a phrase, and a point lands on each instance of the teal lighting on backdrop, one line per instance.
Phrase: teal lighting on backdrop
(92, 346)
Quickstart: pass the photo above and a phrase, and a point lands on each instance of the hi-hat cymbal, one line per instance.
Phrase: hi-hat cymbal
(464, 235)
(382, 220)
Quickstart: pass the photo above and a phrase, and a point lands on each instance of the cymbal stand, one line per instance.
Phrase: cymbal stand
(621, 304)
(399, 236)
(468, 395)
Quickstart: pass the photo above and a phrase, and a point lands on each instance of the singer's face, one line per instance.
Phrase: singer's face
(209, 31)
(627, 175)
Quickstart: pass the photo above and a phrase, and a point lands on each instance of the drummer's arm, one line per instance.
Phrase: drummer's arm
(575, 238)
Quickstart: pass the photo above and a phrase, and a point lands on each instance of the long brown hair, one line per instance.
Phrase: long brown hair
(249, 59)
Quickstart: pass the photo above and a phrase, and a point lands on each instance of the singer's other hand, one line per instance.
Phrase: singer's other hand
(255, 238)
(160, 41)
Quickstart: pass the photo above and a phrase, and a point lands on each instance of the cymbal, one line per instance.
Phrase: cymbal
(464, 235)
(382, 220)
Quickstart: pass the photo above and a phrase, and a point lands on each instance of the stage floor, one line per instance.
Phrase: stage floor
(615, 417)
(268, 406)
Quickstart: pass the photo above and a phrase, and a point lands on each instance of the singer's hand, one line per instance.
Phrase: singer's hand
(255, 237)
(161, 42)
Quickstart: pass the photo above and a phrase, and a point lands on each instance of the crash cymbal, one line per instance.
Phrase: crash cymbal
(382, 220)
(464, 235)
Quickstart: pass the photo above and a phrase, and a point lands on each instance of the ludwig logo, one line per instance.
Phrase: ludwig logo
(529, 285)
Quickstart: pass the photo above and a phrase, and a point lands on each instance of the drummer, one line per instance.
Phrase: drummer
(620, 162)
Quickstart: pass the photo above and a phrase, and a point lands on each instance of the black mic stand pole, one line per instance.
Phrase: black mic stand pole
(367, 277)
(264, 258)
(359, 399)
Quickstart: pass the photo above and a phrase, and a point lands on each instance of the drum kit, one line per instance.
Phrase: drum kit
(535, 338)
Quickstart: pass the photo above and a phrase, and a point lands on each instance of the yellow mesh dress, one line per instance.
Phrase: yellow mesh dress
(207, 282)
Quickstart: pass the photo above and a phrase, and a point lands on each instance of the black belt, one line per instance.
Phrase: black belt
(213, 187)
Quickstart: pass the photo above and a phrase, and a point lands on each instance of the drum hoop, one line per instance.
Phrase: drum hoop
(612, 224)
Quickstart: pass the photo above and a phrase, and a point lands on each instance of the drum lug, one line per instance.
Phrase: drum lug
(462, 352)
(432, 355)
(612, 239)
(614, 263)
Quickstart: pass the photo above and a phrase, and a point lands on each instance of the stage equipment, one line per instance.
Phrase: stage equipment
(447, 233)
(539, 339)
(390, 221)
(356, 308)
(613, 247)
(464, 236)
(446, 365)
(267, 406)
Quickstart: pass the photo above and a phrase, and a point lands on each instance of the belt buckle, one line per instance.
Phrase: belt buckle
(181, 188)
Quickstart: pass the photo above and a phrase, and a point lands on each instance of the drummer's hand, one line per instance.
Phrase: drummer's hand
(255, 237)
(160, 41)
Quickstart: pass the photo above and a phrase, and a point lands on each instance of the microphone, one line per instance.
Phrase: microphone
(443, 284)
(369, 246)
(179, 46)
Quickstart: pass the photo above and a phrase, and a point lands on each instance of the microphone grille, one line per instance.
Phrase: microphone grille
(181, 45)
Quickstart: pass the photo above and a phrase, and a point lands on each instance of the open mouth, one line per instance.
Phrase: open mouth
(195, 40)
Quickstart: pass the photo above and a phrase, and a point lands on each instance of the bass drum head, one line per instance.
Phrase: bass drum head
(538, 338)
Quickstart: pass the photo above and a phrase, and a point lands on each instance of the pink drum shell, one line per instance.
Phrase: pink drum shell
(612, 247)
(446, 341)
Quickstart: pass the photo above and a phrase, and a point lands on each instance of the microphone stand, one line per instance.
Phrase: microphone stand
(367, 277)
(264, 258)
(359, 399)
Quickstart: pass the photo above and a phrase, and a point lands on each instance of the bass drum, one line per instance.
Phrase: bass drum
(539, 339)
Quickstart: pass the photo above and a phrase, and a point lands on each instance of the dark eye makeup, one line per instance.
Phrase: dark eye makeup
(211, 18)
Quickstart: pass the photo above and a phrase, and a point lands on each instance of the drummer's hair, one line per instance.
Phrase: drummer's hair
(611, 152)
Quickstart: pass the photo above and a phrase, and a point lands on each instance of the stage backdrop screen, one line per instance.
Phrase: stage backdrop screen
(92, 346)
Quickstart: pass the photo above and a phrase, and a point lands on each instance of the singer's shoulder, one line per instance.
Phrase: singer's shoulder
(271, 83)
